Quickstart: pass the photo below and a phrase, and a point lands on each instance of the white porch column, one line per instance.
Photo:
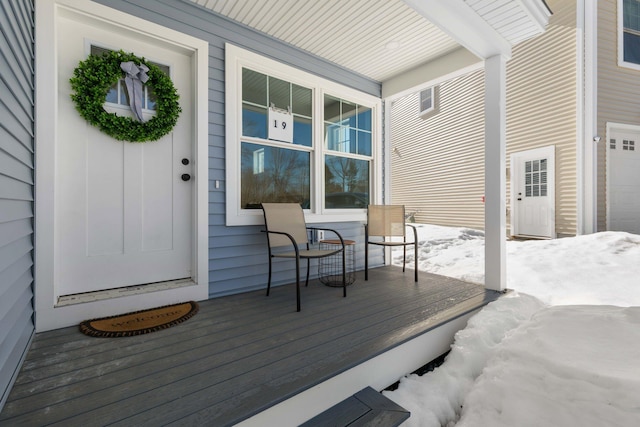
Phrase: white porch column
(495, 221)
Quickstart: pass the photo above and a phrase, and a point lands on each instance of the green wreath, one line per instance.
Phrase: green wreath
(91, 82)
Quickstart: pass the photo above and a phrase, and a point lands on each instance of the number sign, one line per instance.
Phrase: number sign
(280, 125)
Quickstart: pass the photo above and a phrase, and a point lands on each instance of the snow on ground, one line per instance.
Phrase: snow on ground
(562, 350)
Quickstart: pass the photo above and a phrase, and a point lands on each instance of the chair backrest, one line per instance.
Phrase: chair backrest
(386, 220)
(287, 218)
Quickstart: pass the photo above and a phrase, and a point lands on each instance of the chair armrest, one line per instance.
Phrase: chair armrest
(293, 241)
(415, 231)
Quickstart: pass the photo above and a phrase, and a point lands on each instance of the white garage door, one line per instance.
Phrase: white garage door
(623, 181)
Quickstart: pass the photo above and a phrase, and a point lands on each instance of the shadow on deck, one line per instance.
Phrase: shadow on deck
(245, 356)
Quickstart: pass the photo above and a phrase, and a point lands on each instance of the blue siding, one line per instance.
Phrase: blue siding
(237, 255)
(16, 186)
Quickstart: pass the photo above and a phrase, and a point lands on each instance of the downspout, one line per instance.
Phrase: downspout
(587, 113)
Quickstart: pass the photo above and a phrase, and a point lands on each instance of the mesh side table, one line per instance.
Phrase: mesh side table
(330, 268)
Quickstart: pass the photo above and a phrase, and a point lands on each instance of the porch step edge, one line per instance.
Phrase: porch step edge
(365, 408)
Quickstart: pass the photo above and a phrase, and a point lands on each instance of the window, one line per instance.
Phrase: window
(347, 137)
(273, 171)
(118, 95)
(427, 102)
(629, 33)
(535, 178)
(327, 163)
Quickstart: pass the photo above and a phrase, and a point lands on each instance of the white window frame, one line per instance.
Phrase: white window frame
(235, 59)
(621, 61)
(424, 111)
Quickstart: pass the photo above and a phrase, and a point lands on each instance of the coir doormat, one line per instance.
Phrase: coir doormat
(139, 322)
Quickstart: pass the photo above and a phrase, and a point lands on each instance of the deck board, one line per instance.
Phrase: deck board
(238, 356)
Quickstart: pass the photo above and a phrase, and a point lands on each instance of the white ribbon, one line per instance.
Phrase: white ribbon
(135, 78)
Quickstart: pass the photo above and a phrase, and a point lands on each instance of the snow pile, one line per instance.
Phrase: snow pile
(546, 359)
(446, 387)
(569, 366)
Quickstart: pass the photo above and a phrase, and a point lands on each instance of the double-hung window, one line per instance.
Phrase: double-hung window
(273, 170)
(629, 33)
(295, 137)
(347, 159)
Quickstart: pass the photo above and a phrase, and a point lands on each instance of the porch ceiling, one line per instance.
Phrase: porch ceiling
(382, 39)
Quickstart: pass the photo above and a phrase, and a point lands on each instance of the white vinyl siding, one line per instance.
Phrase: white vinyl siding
(618, 94)
(437, 164)
(541, 105)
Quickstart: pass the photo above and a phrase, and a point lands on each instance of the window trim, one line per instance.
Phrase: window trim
(432, 106)
(424, 114)
(620, 27)
(235, 59)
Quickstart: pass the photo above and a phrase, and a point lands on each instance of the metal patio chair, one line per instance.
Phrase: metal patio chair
(286, 229)
(388, 221)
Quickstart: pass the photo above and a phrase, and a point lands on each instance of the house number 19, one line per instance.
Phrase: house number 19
(282, 125)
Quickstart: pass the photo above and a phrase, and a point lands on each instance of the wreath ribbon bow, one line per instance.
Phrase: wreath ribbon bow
(136, 76)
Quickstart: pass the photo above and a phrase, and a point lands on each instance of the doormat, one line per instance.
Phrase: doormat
(139, 322)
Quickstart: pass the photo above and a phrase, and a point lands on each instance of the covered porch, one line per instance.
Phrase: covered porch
(247, 358)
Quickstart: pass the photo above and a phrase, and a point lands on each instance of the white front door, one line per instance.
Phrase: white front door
(533, 192)
(623, 179)
(123, 213)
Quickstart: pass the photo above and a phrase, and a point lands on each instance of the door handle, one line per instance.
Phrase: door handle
(185, 177)
(519, 199)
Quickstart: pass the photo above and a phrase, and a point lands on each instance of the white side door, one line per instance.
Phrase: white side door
(533, 192)
(623, 180)
(123, 214)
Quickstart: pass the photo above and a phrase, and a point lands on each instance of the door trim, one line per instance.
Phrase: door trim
(47, 315)
(549, 152)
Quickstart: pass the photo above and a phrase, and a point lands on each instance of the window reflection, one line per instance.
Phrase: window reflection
(347, 127)
(259, 92)
(271, 174)
(117, 93)
(346, 182)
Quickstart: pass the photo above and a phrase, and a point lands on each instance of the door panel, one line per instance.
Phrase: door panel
(123, 216)
(624, 181)
(533, 199)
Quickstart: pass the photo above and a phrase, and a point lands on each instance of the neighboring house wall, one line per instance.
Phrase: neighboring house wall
(237, 255)
(16, 186)
(541, 105)
(438, 163)
(618, 94)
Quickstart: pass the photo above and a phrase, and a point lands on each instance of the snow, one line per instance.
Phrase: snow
(563, 349)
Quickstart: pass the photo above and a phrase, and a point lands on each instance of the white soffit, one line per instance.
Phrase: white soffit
(353, 34)
(515, 21)
(357, 34)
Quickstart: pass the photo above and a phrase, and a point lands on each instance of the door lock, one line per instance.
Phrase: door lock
(185, 177)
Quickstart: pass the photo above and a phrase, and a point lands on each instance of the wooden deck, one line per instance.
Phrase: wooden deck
(238, 356)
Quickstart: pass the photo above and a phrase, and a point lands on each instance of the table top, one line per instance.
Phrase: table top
(337, 242)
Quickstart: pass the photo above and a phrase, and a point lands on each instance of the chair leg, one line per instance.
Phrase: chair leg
(415, 260)
(366, 261)
(297, 284)
(404, 256)
(344, 273)
(269, 282)
(306, 283)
